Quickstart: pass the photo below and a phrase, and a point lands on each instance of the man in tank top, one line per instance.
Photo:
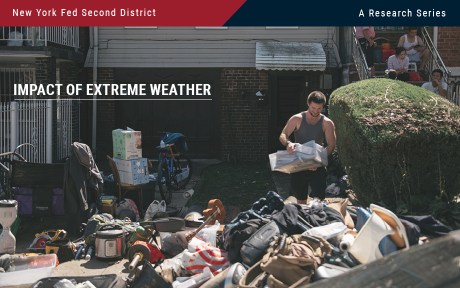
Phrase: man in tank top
(415, 48)
(306, 126)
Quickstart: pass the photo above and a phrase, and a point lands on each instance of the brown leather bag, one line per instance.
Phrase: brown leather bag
(294, 257)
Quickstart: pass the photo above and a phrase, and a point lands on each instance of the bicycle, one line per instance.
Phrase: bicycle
(174, 167)
(6, 159)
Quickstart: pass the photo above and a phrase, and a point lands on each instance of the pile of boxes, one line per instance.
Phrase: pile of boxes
(127, 154)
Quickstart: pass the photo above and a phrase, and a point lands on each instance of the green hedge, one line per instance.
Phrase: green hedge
(399, 143)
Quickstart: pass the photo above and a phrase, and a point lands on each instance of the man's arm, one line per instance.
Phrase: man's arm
(442, 89)
(291, 125)
(329, 132)
(401, 41)
(420, 41)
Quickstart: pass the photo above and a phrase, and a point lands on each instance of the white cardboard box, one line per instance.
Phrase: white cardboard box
(134, 171)
(126, 144)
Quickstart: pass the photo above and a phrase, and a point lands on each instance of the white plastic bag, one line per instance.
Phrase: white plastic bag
(200, 254)
(327, 231)
(154, 207)
(209, 234)
(306, 156)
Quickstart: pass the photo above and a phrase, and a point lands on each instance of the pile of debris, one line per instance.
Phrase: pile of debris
(276, 243)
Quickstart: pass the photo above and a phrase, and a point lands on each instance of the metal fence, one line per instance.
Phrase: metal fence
(31, 121)
(28, 122)
(453, 91)
(40, 36)
(67, 126)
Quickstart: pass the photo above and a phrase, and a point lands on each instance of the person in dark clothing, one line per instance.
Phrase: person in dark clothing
(366, 36)
(306, 126)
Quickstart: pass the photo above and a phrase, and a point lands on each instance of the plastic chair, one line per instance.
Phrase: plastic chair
(123, 188)
(399, 236)
(412, 67)
(365, 248)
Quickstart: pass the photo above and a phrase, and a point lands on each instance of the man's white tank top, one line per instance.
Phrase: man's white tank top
(408, 44)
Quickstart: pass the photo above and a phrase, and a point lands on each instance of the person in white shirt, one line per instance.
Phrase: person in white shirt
(398, 65)
(436, 85)
(415, 48)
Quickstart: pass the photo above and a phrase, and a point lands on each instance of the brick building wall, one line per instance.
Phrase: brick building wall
(68, 73)
(45, 71)
(448, 39)
(105, 117)
(244, 124)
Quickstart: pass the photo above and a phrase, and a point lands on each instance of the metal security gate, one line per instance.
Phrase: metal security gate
(31, 121)
(51, 125)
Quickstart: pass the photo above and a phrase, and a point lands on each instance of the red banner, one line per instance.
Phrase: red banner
(117, 12)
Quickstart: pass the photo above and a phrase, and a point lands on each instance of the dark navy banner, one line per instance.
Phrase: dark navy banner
(338, 13)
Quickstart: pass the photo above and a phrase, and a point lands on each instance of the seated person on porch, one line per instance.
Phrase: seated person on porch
(415, 48)
(398, 65)
(436, 85)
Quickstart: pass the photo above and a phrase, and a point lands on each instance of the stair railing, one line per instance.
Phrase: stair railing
(360, 59)
(435, 61)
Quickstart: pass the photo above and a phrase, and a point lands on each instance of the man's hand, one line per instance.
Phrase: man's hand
(290, 147)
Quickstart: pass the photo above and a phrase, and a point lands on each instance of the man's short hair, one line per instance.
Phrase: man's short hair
(317, 97)
(437, 71)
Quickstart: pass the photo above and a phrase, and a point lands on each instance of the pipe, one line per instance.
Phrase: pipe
(435, 37)
(94, 124)
(49, 135)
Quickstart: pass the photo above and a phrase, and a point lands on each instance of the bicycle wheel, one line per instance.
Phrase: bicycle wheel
(182, 172)
(164, 182)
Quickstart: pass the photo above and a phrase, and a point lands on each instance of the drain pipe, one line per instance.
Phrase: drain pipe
(435, 37)
(95, 56)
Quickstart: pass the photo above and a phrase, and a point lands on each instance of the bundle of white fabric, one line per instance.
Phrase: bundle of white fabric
(306, 156)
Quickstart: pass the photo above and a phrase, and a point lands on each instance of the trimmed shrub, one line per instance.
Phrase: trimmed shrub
(399, 143)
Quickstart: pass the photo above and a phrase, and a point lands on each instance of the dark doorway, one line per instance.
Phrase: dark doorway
(291, 90)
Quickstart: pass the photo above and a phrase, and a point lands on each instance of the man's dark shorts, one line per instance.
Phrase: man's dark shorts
(301, 180)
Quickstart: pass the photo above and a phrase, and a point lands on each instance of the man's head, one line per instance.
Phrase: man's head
(316, 101)
(436, 76)
(412, 31)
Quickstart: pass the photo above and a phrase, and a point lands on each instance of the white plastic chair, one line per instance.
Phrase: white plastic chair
(412, 67)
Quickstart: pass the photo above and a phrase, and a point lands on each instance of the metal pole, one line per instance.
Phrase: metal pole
(49, 131)
(14, 125)
(95, 56)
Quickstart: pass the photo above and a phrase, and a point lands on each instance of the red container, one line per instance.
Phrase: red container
(386, 53)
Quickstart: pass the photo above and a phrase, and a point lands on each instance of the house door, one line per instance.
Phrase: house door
(291, 90)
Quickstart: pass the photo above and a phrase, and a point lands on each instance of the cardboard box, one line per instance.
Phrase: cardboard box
(134, 171)
(126, 144)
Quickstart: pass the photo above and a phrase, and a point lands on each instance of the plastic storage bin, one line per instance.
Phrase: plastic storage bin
(28, 269)
(102, 281)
